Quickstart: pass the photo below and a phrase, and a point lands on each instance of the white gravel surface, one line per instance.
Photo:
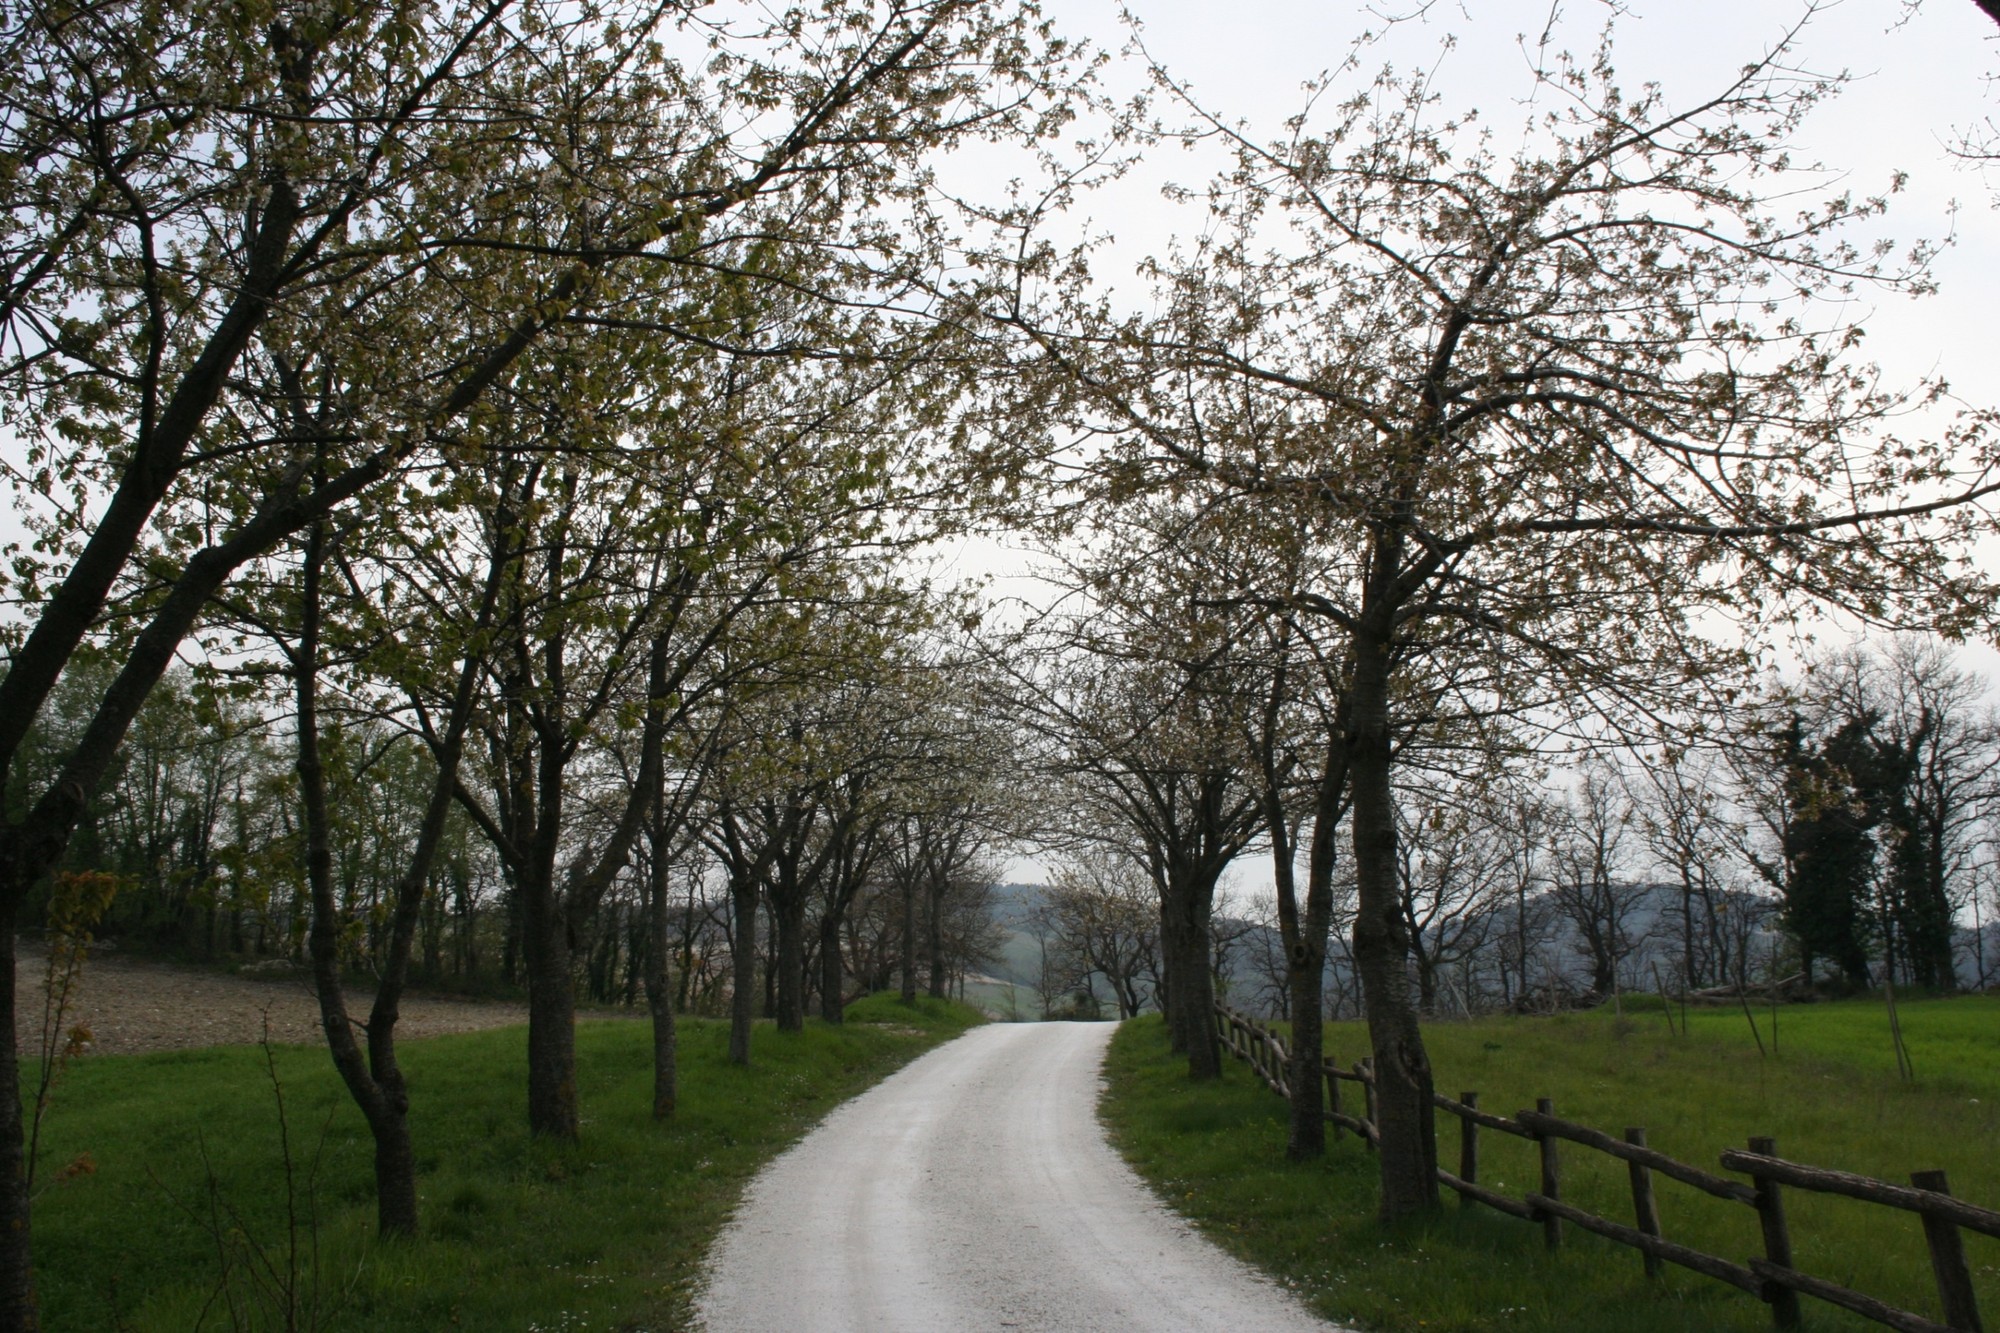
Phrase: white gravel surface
(975, 1190)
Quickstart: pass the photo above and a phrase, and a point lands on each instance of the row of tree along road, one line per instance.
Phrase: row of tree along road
(526, 424)
(1843, 834)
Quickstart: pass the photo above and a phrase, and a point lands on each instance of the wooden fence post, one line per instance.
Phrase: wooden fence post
(1954, 1279)
(1468, 1147)
(1333, 1094)
(1366, 1068)
(1643, 1207)
(1783, 1300)
(1551, 1177)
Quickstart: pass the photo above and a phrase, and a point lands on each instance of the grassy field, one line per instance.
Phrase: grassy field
(1006, 1001)
(1829, 1095)
(180, 1218)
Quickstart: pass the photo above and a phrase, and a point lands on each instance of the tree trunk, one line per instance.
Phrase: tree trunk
(554, 920)
(1930, 936)
(552, 1106)
(770, 959)
(789, 917)
(1427, 990)
(1204, 1047)
(1603, 966)
(383, 1100)
(909, 938)
(1688, 967)
(743, 965)
(17, 1268)
(934, 968)
(1408, 1150)
(1305, 966)
(1304, 946)
(1305, 959)
(1171, 950)
(1191, 1001)
(659, 991)
(377, 1085)
(1170, 988)
(31, 846)
(1520, 943)
(832, 974)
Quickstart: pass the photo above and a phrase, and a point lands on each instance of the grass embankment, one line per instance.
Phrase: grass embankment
(518, 1234)
(1829, 1096)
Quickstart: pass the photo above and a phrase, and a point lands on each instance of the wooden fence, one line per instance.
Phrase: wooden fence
(1772, 1278)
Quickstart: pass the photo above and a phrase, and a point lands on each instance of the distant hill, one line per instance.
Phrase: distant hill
(1021, 956)
(1557, 955)
(1014, 903)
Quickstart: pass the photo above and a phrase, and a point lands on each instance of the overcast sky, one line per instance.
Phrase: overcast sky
(1919, 76)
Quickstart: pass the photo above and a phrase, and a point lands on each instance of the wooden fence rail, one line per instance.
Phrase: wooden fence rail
(1772, 1277)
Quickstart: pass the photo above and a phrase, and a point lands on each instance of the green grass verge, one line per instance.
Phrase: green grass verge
(1829, 1097)
(517, 1234)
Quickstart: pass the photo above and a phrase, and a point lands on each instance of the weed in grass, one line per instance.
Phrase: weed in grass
(605, 1234)
(260, 1284)
(76, 902)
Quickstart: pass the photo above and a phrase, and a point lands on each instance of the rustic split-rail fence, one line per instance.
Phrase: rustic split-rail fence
(1772, 1278)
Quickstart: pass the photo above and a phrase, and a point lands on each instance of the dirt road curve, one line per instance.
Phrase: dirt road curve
(975, 1190)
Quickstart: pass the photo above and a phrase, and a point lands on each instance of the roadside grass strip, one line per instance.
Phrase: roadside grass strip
(166, 1206)
(1830, 1096)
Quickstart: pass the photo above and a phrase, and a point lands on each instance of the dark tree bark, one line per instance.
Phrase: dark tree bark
(1407, 1153)
(1170, 967)
(770, 957)
(667, 821)
(533, 756)
(1304, 933)
(377, 1084)
(935, 971)
(907, 883)
(1186, 900)
(858, 849)
(743, 967)
(789, 911)
(746, 867)
(659, 990)
(1199, 821)
(1170, 774)
(18, 1309)
(547, 952)
(832, 970)
(799, 865)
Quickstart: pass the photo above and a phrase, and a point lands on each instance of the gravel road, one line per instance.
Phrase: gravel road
(975, 1190)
